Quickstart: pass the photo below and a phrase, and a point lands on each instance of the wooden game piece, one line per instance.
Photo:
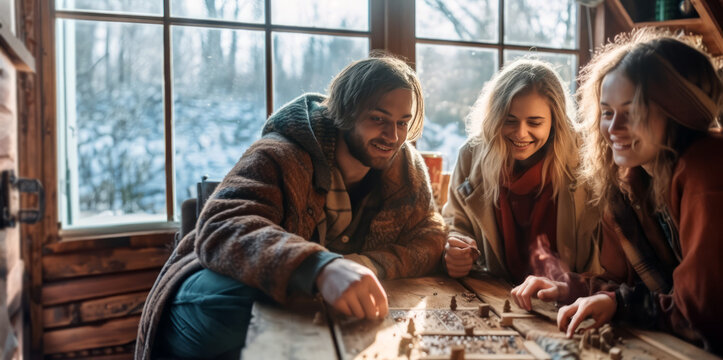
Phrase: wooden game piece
(506, 320)
(318, 318)
(483, 310)
(469, 330)
(411, 328)
(453, 303)
(595, 340)
(616, 353)
(585, 340)
(607, 335)
(457, 352)
(507, 308)
(405, 345)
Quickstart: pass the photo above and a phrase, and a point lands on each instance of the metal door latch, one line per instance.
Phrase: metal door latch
(28, 216)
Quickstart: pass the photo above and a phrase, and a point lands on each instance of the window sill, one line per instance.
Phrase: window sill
(111, 231)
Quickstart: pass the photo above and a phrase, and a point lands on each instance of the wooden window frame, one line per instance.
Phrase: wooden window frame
(391, 28)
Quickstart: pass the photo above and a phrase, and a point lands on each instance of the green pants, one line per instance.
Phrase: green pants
(207, 318)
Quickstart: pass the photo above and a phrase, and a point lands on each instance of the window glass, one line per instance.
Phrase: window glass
(469, 20)
(147, 7)
(110, 112)
(219, 101)
(307, 63)
(548, 23)
(251, 11)
(330, 14)
(564, 64)
(452, 78)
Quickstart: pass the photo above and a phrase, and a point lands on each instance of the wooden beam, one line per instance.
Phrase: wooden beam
(133, 241)
(111, 333)
(96, 286)
(618, 11)
(711, 14)
(94, 310)
(377, 20)
(105, 261)
(400, 29)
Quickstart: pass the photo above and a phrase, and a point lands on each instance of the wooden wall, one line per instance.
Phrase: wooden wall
(93, 292)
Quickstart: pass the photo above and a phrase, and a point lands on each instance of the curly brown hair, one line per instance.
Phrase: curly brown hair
(649, 58)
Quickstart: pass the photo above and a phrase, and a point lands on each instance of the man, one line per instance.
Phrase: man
(331, 175)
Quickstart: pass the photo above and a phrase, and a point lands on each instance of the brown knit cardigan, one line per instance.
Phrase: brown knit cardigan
(256, 226)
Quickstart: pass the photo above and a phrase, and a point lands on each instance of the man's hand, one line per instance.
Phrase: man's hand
(459, 255)
(600, 307)
(352, 289)
(539, 287)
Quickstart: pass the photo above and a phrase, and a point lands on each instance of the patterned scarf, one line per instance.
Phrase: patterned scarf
(523, 214)
(641, 236)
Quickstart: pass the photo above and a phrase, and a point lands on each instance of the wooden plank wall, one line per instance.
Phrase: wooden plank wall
(93, 292)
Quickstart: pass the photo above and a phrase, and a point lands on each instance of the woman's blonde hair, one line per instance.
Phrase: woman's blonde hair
(485, 120)
(639, 56)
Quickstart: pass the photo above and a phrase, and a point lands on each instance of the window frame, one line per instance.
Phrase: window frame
(392, 28)
(167, 22)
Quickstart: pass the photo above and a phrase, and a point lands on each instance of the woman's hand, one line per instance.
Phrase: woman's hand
(539, 287)
(459, 255)
(600, 307)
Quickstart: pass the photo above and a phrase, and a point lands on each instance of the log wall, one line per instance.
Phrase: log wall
(93, 292)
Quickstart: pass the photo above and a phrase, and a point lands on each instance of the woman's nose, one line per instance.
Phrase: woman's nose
(618, 123)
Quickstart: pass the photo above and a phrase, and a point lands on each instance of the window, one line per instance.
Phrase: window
(461, 43)
(133, 142)
(154, 94)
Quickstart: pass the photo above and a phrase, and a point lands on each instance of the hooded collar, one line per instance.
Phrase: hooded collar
(302, 121)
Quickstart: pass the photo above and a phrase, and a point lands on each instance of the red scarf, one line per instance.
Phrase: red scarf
(522, 216)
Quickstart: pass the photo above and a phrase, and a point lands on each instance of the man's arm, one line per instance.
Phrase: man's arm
(239, 232)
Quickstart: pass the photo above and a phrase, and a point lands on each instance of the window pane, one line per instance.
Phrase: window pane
(452, 78)
(564, 64)
(471, 20)
(548, 23)
(307, 63)
(110, 110)
(150, 7)
(219, 101)
(251, 11)
(330, 14)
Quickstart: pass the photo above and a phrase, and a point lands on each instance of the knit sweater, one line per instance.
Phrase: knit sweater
(260, 224)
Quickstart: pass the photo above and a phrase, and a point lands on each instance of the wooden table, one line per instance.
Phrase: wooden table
(310, 330)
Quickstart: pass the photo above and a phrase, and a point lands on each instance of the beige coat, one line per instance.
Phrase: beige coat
(469, 215)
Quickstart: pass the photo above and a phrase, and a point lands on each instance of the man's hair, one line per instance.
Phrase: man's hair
(657, 62)
(361, 84)
(488, 115)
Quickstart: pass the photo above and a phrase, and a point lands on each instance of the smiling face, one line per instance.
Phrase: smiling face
(379, 133)
(527, 126)
(632, 144)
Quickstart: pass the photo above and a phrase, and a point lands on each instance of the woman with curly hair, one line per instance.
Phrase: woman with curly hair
(513, 195)
(649, 103)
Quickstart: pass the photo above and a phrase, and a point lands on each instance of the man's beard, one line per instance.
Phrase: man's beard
(359, 151)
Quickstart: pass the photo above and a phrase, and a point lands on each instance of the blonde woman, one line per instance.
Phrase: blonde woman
(513, 198)
(649, 102)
